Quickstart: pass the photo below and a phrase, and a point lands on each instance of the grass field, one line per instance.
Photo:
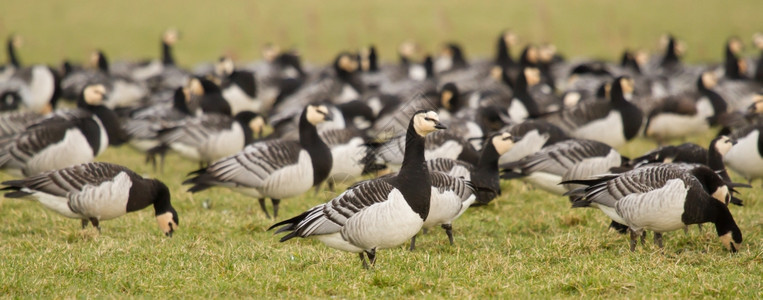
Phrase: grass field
(525, 244)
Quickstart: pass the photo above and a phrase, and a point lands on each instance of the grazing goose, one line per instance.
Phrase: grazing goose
(275, 169)
(95, 192)
(483, 175)
(450, 197)
(746, 157)
(686, 114)
(375, 214)
(664, 198)
(145, 123)
(59, 142)
(565, 160)
(210, 137)
(612, 122)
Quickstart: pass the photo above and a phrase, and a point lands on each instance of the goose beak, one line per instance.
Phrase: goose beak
(328, 117)
(733, 141)
(168, 234)
(439, 125)
(515, 138)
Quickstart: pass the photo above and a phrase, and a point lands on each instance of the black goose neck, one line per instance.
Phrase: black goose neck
(243, 119)
(671, 56)
(110, 120)
(161, 198)
(167, 57)
(413, 179)
(503, 54)
(320, 154)
(724, 222)
(103, 63)
(714, 158)
(12, 58)
(179, 103)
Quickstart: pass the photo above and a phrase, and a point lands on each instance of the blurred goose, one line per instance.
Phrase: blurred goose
(746, 157)
(61, 141)
(375, 214)
(483, 175)
(207, 97)
(38, 87)
(7, 70)
(664, 198)
(239, 87)
(145, 123)
(535, 134)
(350, 148)
(438, 144)
(95, 192)
(686, 114)
(275, 169)
(122, 91)
(565, 160)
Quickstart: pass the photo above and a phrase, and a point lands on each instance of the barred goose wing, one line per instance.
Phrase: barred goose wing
(68, 180)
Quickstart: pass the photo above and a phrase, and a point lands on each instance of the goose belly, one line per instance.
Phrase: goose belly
(125, 94)
(669, 126)
(223, 144)
(443, 208)
(57, 204)
(608, 130)
(383, 225)
(240, 101)
(41, 88)
(547, 182)
(72, 150)
(448, 149)
(105, 201)
(610, 212)
(348, 164)
(291, 180)
(517, 111)
(744, 157)
(658, 210)
(336, 241)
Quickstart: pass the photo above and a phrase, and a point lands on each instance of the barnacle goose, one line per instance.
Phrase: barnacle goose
(438, 144)
(144, 124)
(568, 159)
(375, 214)
(613, 122)
(7, 70)
(122, 91)
(210, 137)
(95, 192)
(275, 169)
(746, 157)
(350, 149)
(664, 198)
(38, 87)
(207, 97)
(523, 105)
(535, 134)
(239, 87)
(686, 114)
(450, 197)
(60, 141)
(483, 175)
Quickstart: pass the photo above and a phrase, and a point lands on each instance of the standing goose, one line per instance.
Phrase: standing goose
(350, 148)
(483, 175)
(688, 113)
(569, 159)
(210, 137)
(664, 198)
(612, 122)
(239, 87)
(61, 141)
(275, 169)
(95, 192)
(375, 214)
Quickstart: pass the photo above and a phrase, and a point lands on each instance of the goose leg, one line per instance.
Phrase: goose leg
(317, 189)
(449, 231)
(84, 223)
(262, 206)
(634, 236)
(413, 243)
(330, 184)
(276, 202)
(658, 239)
(686, 230)
(700, 227)
(371, 256)
(643, 238)
(363, 260)
(96, 224)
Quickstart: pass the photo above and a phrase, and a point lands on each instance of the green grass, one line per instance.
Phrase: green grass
(526, 244)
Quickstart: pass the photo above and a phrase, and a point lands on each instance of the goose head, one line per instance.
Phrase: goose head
(757, 40)
(708, 80)
(94, 94)
(346, 63)
(170, 36)
(166, 216)
(723, 144)
(425, 122)
(503, 142)
(449, 96)
(224, 66)
(317, 114)
(732, 239)
(532, 76)
(756, 108)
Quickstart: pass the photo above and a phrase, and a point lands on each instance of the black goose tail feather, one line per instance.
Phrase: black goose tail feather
(13, 189)
(290, 225)
(736, 201)
(511, 174)
(200, 180)
(620, 228)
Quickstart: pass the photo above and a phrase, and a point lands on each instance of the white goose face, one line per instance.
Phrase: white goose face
(18, 41)
(195, 87)
(317, 114)
(742, 66)
(257, 125)
(728, 241)
(709, 80)
(735, 45)
(95, 94)
(170, 36)
(510, 38)
(757, 40)
(408, 49)
(627, 85)
(426, 122)
(224, 66)
(445, 97)
(724, 144)
(94, 59)
(270, 52)
(532, 54)
(757, 106)
(642, 57)
(722, 194)
(571, 99)
(546, 52)
(167, 223)
(348, 63)
(496, 73)
(532, 75)
(503, 142)
(680, 48)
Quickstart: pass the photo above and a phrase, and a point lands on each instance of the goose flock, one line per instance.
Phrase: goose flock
(418, 141)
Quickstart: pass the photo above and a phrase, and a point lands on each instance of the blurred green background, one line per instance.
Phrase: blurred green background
(54, 30)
